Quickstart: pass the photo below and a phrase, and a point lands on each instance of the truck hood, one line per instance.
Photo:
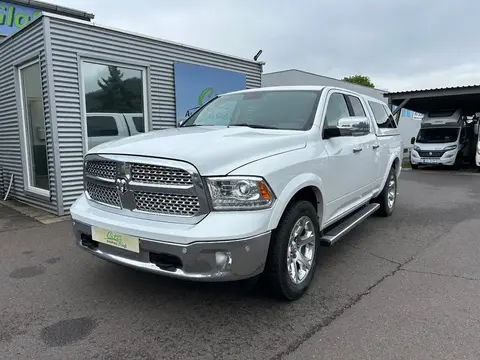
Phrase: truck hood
(213, 150)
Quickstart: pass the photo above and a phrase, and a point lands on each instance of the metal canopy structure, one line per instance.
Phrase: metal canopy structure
(422, 101)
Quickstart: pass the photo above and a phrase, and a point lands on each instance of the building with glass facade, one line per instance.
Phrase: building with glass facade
(67, 85)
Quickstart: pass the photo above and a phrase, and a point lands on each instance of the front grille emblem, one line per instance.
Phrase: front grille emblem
(122, 185)
(430, 153)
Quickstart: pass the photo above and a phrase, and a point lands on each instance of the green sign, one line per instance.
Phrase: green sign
(14, 17)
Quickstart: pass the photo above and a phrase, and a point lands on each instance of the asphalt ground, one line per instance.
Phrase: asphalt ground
(404, 287)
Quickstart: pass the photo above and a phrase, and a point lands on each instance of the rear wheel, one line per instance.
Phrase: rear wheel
(293, 252)
(388, 197)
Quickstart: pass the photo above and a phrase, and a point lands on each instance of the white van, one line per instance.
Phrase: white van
(441, 140)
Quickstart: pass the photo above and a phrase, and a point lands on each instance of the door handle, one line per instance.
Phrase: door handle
(375, 147)
(356, 150)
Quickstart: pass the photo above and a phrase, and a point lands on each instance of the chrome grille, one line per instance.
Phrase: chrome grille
(104, 194)
(154, 174)
(170, 204)
(159, 187)
(431, 153)
(102, 169)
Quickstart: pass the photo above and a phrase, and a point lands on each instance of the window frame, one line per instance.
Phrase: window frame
(350, 111)
(387, 112)
(143, 68)
(25, 140)
(327, 102)
(349, 102)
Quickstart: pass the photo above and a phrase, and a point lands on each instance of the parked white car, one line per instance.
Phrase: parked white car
(255, 197)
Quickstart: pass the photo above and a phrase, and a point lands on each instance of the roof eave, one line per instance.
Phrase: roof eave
(55, 9)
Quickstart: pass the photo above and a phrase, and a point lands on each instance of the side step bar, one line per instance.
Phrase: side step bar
(334, 234)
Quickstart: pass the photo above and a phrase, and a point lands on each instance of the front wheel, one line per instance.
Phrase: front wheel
(292, 257)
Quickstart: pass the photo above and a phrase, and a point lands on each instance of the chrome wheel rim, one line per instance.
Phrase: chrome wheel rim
(392, 191)
(301, 249)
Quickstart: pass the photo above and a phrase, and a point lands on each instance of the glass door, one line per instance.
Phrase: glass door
(36, 169)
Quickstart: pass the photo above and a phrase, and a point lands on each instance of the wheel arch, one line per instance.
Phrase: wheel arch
(305, 187)
(394, 163)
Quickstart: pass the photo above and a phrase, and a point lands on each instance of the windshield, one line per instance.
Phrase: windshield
(438, 135)
(286, 110)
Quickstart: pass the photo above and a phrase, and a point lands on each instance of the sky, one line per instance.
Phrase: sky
(400, 45)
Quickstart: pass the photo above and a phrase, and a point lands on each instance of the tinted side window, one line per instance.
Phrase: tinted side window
(336, 109)
(139, 123)
(356, 106)
(101, 126)
(383, 119)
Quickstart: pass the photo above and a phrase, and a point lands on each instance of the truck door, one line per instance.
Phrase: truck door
(369, 155)
(344, 176)
(385, 127)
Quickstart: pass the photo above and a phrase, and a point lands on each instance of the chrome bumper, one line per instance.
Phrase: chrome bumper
(200, 261)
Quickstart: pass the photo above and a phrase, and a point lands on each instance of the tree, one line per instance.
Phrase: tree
(360, 80)
(115, 94)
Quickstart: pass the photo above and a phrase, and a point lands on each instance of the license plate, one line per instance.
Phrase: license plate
(119, 240)
(430, 161)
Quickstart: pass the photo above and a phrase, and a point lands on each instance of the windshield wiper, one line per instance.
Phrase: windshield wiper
(255, 126)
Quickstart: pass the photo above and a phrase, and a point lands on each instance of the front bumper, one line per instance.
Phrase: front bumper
(203, 261)
(181, 250)
(447, 159)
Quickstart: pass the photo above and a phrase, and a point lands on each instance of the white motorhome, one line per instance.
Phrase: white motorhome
(441, 140)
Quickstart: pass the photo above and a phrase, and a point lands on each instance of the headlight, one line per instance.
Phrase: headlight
(416, 148)
(451, 147)
(239, 193)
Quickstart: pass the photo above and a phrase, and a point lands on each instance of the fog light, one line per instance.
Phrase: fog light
(223, 259)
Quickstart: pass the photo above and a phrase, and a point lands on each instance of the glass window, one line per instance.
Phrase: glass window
(356, 106)
(101, 126)
(34, 122)
(383, 117)
(438, 135)
(287, 110)
(139, 123)
(336, 109)
(115, 90)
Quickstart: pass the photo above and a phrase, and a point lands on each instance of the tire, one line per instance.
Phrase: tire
(276, 275)
(387, 207)
(414, 167)
(458, 162)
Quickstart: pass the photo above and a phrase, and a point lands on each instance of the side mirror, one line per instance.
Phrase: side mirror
(348, 126)
(412, 140)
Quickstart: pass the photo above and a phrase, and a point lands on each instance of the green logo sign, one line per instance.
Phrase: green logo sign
(208, 93)
(14, 17)
(115, 239)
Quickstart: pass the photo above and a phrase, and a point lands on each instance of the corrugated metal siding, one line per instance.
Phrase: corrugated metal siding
(71, 38)
(25, 43)
(298, 77)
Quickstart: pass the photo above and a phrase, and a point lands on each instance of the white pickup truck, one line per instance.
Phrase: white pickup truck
(252, 192)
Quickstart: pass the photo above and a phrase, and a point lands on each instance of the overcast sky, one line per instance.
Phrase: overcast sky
(408, 44)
